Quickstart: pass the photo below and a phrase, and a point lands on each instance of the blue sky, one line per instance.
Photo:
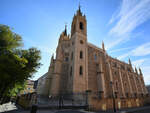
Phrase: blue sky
(123, 25)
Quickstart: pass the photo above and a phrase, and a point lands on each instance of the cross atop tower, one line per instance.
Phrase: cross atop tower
(79, 10)
(79, 7)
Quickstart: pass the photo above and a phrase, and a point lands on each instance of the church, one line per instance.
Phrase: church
(80, 67)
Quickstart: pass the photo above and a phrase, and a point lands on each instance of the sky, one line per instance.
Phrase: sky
(123, 25)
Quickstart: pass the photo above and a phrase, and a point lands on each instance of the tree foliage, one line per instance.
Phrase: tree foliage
(16, 90)
(16, 64)
(9, 39)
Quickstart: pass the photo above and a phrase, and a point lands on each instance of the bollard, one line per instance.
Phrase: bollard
(34, 109)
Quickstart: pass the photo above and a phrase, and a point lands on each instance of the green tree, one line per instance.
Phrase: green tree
(16, 64)
(16, 90)
(9, 39)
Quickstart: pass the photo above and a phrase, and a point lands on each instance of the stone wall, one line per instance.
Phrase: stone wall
(97, 104)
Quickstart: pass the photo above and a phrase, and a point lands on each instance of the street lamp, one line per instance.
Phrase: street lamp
(87, 97)
(114, 106)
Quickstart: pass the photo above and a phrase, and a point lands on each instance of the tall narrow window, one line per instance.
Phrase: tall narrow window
(81, 26)
(116, 86)
(71, 71)
(81, 54)
(127, 95)
(95, 57)
(81, 70)
(135, 95)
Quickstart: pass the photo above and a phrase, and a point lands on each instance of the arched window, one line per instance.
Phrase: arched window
(81, 26)
(81, 54)
(81, 70)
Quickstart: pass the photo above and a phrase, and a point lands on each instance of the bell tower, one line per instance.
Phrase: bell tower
(79, 23)
(79, 52)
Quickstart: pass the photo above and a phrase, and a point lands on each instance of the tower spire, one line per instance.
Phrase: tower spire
(52, 58)
(79, 10)
(136, 70)
(103, 46)
(65, 32)
(140, 71)
(79, 7)
(130, 62)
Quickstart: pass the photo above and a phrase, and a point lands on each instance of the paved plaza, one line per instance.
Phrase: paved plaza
(12, 108)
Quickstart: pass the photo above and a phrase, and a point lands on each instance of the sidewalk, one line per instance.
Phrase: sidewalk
(7, 107)
(12, 108)
(138, 109)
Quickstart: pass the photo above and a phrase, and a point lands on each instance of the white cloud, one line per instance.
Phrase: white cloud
(138, 63)
(114, 41)
(132, 14)
(124, 55)
(146, 73)
(120, 49)
(141, 50)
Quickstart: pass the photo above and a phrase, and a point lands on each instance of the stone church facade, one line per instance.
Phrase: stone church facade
(81, 67)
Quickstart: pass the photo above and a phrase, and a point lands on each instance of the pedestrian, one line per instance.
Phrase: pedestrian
(72, 102)
(60, 101)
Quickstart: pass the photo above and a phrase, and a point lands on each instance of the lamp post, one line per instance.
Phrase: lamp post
(114, 106)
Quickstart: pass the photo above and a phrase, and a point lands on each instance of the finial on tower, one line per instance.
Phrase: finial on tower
(79, 7)
(52, 58)
(103, 47)
(136, 70)
(130, 62)
(65, 32)
(79, 10)
(140, 71)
